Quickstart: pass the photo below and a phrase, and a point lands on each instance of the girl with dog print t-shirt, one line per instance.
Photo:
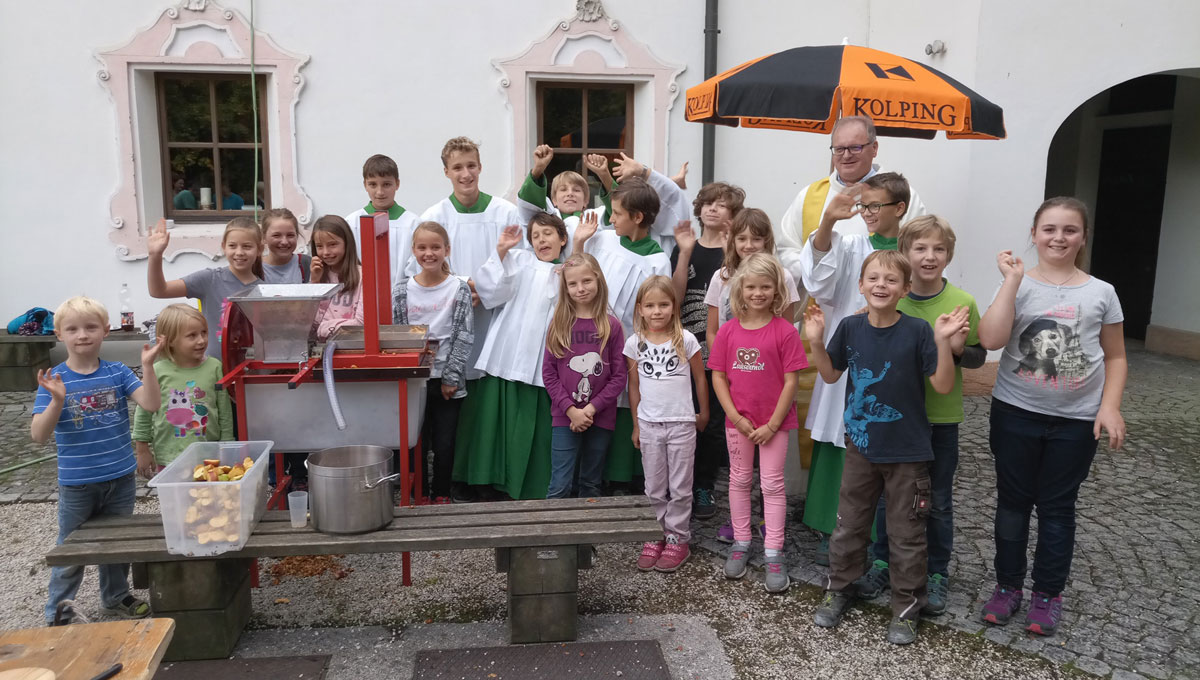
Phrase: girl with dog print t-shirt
(584, 373)
(1058, 388)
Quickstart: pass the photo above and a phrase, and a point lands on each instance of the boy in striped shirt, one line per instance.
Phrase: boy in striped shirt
(82, 402)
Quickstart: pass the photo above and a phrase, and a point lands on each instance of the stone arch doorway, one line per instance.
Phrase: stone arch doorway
(1132, 153)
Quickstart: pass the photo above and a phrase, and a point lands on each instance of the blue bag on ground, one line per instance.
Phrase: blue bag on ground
(37, 321)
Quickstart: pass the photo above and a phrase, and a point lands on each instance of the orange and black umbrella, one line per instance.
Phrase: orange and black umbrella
(808, 88)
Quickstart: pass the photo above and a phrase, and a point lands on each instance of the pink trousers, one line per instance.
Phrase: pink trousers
(668, 454)
(771, 459)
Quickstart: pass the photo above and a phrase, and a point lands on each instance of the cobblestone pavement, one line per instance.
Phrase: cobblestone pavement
(1128, 612)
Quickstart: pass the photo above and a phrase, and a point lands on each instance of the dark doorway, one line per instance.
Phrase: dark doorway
(1129, 207)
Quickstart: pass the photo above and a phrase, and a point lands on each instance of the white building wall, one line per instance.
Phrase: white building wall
(402, 77)
(1176, 304)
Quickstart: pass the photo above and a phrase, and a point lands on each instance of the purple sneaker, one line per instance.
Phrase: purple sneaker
(1045, 612)
(757, 530)
(1004, 603)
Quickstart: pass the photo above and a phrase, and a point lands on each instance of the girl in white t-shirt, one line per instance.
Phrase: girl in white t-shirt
(751, 233)
(442, 302)
(663, 361)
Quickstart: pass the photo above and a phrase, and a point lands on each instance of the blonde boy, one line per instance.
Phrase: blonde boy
(928, 243)
(569, 195)
(82, 402)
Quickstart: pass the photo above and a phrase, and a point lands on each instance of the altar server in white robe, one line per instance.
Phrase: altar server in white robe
(381, 179)
(504, 431)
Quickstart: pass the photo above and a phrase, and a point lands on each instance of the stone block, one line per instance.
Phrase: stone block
(195, 584)
(545, 569)
(1094, 666)
(209, 633)
(543, 618)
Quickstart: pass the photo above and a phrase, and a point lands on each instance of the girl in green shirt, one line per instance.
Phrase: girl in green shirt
(192, 408)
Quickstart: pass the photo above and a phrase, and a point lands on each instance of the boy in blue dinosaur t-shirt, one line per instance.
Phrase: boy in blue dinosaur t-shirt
(889, 354)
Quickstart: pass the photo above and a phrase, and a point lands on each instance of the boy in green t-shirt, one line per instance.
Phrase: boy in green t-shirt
(928, 242)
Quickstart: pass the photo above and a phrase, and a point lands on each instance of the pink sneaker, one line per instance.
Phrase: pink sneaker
(651, 550)
(673, 557)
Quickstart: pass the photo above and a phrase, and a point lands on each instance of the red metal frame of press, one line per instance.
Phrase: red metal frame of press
(377, 311)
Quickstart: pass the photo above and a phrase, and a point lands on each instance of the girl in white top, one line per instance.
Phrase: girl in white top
(505, 425)
(751, 233)
(442, 302)
(663, 361)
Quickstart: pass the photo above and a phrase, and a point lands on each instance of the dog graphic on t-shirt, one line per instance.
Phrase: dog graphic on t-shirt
(586, 364)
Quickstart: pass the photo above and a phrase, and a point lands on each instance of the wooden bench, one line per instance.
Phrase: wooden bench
(540, 544)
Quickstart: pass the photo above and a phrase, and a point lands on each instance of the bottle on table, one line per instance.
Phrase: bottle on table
(126, 309)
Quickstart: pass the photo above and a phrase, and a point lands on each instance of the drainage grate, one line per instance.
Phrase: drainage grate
(628, 660)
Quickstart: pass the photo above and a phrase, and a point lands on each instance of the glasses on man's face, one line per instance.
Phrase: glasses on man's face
(872, 208)
(853, 149)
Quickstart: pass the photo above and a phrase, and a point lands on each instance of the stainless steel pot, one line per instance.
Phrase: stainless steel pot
(350, 489)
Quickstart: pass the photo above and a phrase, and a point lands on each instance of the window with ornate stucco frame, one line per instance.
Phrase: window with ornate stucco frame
(197, 39)
(590, 48)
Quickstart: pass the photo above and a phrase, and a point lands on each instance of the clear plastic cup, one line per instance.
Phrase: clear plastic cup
(298, 507)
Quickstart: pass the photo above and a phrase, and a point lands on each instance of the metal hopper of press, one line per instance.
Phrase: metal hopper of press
(282, 315)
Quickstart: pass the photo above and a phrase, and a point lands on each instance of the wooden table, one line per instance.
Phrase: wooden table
(85, 650)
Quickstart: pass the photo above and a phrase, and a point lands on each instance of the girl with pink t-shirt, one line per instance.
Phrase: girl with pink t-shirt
(335, 260)
(755, 360)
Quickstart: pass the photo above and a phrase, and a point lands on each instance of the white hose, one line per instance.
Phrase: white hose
(327, 363)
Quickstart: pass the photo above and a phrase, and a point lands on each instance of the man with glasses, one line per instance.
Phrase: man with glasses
(854, 147)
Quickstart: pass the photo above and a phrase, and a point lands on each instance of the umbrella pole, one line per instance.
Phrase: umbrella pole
(708, 145)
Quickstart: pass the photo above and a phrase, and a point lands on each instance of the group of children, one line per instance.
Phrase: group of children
(574, 350)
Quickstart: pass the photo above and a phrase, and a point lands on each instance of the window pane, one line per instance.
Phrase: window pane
(606, 118)
(188, 115)
(237, 178)
(562, 117)
(235, 117)
(191, 177)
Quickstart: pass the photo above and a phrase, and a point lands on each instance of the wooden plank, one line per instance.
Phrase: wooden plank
(280, 524)
(86, 650)
(489, 509)
(460, 538)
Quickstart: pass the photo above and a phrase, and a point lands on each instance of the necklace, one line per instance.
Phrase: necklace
(1064, 282)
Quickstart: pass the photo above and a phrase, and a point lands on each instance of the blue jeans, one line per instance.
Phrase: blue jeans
(939, 528)
(1041, 461)
(583, 450)
(76, 505)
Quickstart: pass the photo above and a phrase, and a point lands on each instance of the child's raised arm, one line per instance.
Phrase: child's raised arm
(149, 396)
(814, 328)
(997, 323)
(42, 426)
(586, 229)
(841, 207)
(685, 240)
(156, 282)
(945, 328)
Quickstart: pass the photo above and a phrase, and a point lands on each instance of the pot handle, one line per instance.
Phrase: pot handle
(381, 480)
